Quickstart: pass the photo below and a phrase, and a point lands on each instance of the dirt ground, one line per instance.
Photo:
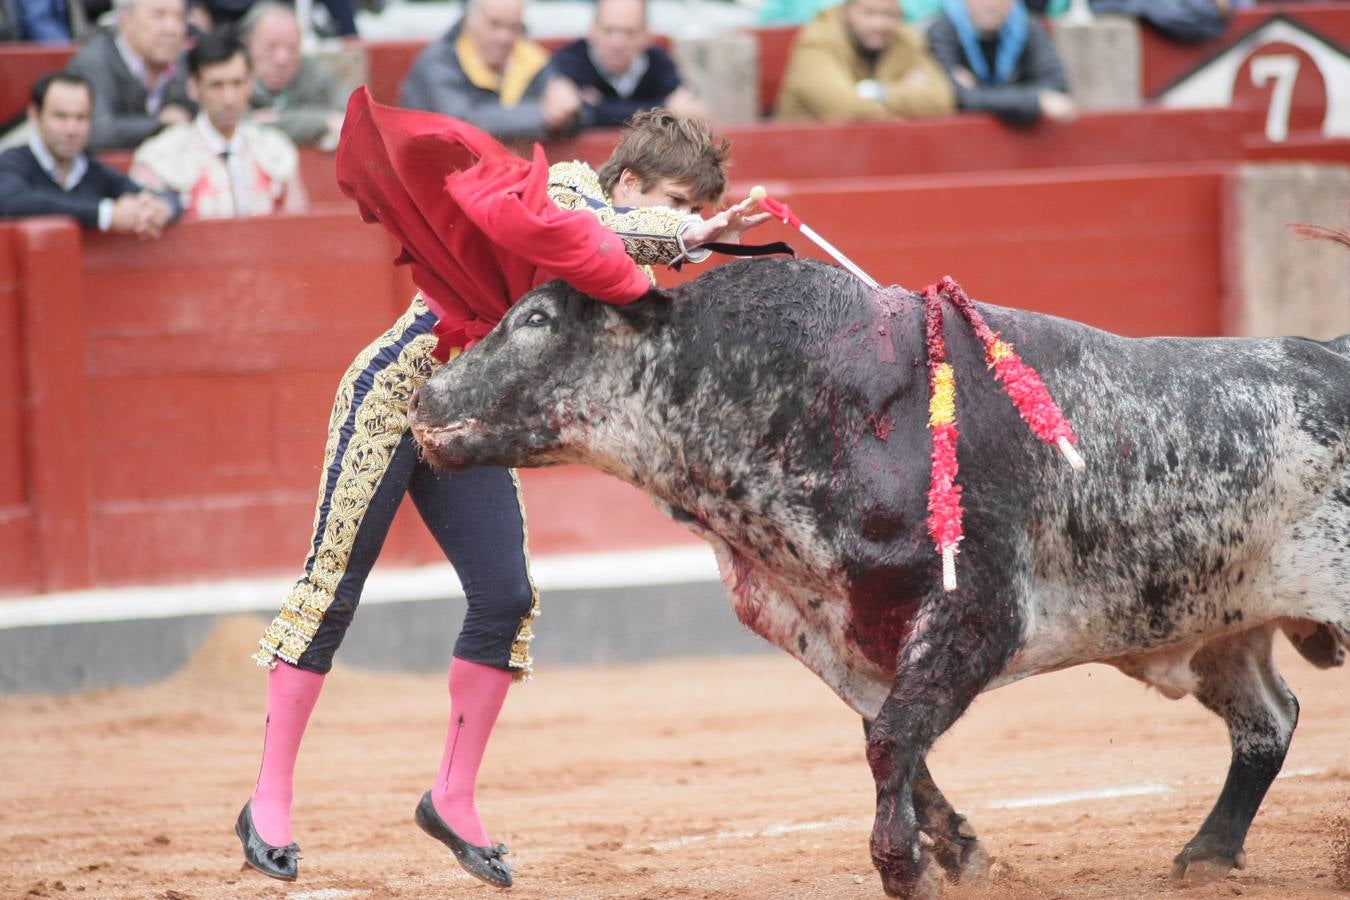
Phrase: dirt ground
(728, 778)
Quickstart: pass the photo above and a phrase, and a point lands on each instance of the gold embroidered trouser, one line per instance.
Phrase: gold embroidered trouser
(370, 462)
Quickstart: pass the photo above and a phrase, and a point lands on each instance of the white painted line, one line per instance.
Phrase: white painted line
(685, 564)
(1129, 790)
(327, 894)
(766, 831)
(1305, 772)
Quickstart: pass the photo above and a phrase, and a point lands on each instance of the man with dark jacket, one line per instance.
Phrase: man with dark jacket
(619, 70)
(1000, 61)
(486, 73)
(53, 175)
(136, 73)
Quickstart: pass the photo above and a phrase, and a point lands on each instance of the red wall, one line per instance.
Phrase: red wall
(1135, 251)
(20, 66)
(210, 358)
(166, 403)
(17, 569)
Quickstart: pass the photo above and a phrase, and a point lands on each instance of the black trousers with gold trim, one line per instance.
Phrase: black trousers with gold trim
(371, 462)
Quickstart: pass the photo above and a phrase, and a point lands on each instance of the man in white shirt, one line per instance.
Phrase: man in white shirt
(219, 165)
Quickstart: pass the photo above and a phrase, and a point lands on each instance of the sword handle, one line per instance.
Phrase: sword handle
(780, 211)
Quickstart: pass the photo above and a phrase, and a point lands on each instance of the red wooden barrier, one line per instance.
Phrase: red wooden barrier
(169, 401)
(780, 151)
(1131, 250)
(56, 445)
(187, 444)
(20, 66)
(18, 565)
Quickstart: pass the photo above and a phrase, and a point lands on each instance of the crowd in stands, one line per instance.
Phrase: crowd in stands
(222, 164)
(214, 96)
(486, 72)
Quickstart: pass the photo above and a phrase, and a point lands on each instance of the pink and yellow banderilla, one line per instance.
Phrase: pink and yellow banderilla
(1020, 382)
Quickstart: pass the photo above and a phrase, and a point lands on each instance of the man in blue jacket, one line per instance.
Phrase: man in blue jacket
(620, 72)
(54, 175)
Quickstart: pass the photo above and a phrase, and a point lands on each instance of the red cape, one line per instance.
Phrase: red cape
(476, 224)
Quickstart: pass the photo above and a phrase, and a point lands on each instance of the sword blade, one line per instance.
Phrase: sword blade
(838, 256)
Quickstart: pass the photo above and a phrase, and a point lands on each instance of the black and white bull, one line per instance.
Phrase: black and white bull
(757, 406)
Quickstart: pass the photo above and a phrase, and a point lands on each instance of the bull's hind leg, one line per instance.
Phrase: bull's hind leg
(959, 642)
(1238, 681)
(954, 845)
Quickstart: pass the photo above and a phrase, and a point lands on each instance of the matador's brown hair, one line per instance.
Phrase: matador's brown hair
(659, 144)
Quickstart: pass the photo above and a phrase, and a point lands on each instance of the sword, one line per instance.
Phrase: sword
(785, 215)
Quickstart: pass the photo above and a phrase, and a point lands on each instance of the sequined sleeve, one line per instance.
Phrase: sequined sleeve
(649, 234)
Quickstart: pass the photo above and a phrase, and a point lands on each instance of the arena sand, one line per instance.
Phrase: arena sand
(719, 778)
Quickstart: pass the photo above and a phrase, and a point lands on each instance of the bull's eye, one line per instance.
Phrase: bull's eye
(536, 318)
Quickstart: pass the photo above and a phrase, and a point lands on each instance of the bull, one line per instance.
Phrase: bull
(757, 406)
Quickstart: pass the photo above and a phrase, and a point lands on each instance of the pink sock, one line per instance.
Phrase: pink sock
(291, 694)
(476, 696)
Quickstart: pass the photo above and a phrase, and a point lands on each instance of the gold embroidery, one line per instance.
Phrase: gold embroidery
(521, 660)
(378, 427)
(649, 237)
(648, 233)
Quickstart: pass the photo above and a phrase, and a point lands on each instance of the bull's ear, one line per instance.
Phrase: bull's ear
(649, 311)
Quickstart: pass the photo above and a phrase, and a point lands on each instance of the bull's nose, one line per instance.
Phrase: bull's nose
(413, 403)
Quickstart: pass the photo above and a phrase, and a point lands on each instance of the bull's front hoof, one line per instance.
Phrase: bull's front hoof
(959, 853)
(927, 885)
(974, 868)
(1198, 865)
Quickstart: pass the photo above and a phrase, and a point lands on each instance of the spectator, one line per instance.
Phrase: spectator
(619, 71)
(484, 72)
(1190, 21)
(135, 73)
(51, 21)
(294, 92)
(790, 12)
(858, 61)
(222, 166)
(919, 13)
(54, 176)
(342, 17)
(1000, 61)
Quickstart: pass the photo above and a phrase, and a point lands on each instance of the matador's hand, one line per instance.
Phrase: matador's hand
(727, 226)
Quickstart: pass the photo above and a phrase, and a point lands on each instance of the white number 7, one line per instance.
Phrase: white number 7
(1283, 68)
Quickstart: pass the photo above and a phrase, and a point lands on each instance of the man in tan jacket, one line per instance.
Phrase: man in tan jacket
(858, 61)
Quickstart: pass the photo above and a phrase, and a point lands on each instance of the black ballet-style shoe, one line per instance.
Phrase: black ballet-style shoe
(275, 862)
(483, 863)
